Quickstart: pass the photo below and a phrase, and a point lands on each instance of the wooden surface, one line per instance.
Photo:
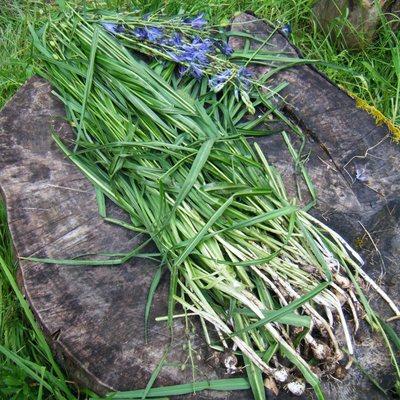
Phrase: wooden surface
(93, 316)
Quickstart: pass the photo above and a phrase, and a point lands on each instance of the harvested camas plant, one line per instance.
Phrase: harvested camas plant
(248, 261)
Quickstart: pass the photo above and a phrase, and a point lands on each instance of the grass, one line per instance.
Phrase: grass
(15, 62)
(25, 360)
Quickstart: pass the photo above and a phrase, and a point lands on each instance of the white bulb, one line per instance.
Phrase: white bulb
(296, 387)
(281, 375)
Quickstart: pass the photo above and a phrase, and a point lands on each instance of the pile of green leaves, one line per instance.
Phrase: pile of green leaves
(247, 260)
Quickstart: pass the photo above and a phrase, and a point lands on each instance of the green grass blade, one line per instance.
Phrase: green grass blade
(150, 297)
(155, 373)
(89, 80)
(197, 239)
(254, 374)
(187, 388)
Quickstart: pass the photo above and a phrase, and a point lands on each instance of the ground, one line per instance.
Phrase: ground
(27, 371)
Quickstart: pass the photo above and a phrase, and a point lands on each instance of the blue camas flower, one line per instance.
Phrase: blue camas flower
(176, 57)
(203, 45)
(196, 71)
(286, 30)
(140, 33)
(224, 47)
(150, 33)
(191, 52)
(175, 40)
(198, 22)
(244, 76)
(182, 69)
(196, 52)
(218, 81)
(154, 33)
(113, 28)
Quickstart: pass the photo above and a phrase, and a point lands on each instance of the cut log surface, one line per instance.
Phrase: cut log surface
(93, 317)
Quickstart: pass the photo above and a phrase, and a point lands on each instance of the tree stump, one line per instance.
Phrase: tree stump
(93, 317)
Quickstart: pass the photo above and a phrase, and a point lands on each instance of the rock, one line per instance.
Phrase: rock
(393, 15)
(352, 22)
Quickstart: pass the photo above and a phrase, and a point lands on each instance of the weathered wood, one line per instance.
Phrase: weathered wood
(93, 316)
